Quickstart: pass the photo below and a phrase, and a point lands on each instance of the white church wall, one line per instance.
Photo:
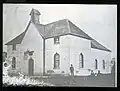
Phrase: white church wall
(9, 52)
(62, 49)
(101, 55)
(13, 53)
(80, 45)
(33, 42)
(69, 49)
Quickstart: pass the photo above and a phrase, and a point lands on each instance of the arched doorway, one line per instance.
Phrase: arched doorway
(30, 67)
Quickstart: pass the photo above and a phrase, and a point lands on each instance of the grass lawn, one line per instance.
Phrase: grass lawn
(94, 81)
(101, 80)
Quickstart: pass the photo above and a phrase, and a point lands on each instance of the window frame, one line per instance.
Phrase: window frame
(57, 41)
(13, 63)
(104, 64)
(81, 61)
(96, 64)
(56, 61)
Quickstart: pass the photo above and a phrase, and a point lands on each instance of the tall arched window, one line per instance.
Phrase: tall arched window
(96, 64)
(103, 64)
(81, 61)
(13, 63)
(56, 61)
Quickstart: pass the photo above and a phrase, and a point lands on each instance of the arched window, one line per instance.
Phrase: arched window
(103, 64)
(13, 63)
(96, 64)
(56, 61)
(81, 61)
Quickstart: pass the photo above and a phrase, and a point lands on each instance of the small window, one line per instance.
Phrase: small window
(14, 47)
(103, 64)
(96, 64)
(56, 40)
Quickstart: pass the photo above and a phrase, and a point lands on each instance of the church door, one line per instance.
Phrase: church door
(31, 67)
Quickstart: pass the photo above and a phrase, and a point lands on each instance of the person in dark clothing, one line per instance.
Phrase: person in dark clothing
(72, 70)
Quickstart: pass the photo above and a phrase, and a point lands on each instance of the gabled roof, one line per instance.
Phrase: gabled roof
(40, 28)
(35, 11)
(77, 31)
(96, 45)
(16, 40)
(56, 28)
(59, 28)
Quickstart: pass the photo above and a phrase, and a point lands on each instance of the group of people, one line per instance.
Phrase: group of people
(72, 71)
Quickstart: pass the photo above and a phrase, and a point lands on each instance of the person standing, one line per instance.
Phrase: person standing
(72, 70)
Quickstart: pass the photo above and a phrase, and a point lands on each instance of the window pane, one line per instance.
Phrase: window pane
(57, 64)
(56, 60)
(57, 57)
(96, 64)
(14, 63)
(81, 61)
(103, 64)
(56, 40)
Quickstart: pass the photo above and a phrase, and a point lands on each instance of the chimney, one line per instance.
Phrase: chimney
(35, 15)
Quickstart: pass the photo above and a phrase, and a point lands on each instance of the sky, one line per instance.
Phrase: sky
(98, 21)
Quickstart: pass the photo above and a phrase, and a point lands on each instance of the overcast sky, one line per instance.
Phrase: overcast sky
(98, 21)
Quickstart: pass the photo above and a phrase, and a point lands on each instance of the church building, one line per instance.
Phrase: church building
(52, 48)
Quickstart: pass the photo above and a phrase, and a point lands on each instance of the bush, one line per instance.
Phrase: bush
(13, 73)
(16, 78)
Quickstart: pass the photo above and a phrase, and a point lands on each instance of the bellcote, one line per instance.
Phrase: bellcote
(35, 15)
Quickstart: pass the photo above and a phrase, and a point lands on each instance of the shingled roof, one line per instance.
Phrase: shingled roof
(96, 45)
(59, 28)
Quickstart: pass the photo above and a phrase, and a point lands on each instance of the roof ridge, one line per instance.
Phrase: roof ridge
(71, 28)
(55, 21)
(14, 38)
(80, 30)
(68, 25)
